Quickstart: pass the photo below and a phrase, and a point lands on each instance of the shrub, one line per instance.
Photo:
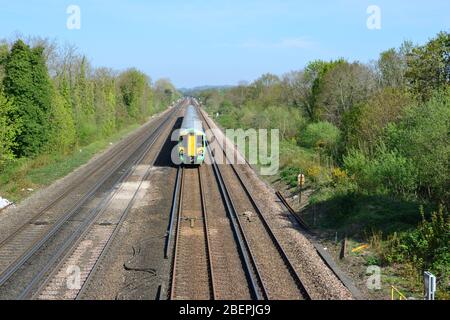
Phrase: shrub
(8, 130)
(289, 175)
(63, 136)
(323, 136)
(427, 247)
(387, 172)
(422, 136)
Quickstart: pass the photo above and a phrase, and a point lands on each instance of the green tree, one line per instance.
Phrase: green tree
(392, 66)
(63, 132)
(132, 85)
(3, 56)
(27, 83)
(423, 136)
(322, 136)
(386, 172)
(429, 66)
(304, 87)
(9, 128)
(105, 101)
(83, 102)
(364, 124)
(164, 93)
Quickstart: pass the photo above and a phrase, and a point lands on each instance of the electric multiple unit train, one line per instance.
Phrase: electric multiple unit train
(192, 139)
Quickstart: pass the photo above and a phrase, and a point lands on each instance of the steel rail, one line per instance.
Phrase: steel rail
(73, 186)
(294, 214)
(123, 216)
(211, 283)
(266, 225)
(174, 207)
(208, 243)
(258, 290)
(177, 238)
(20, 261)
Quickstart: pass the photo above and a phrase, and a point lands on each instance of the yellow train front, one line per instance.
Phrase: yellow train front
(192, 139)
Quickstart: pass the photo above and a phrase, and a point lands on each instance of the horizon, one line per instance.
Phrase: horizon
(221, 44)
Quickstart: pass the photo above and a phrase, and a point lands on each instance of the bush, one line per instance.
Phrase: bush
(63, 136)
(289, 175)
(387, 172)
(8, 130)
(322, 136)
(427, 247)
(422, 136)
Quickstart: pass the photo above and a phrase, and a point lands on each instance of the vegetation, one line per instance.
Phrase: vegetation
(372, 140)
(53, 104)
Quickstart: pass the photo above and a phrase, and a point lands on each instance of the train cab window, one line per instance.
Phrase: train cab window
(199, 140)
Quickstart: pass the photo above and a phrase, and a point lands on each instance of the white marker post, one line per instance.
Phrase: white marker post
(301, 183)
(430, 285)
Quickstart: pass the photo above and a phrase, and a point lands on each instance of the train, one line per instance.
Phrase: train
(192, 139)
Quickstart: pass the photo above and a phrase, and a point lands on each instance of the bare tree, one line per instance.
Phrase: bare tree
(345, 86)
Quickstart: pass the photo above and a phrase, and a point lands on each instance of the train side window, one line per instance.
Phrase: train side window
(199, 140)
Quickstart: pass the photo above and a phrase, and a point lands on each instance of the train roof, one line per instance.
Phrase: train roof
(191, 121)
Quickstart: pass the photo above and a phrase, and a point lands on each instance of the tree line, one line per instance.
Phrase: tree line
(53, 101)
(373, 142)
(384, 124)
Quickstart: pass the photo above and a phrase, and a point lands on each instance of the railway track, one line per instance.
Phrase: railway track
(33, 237)
(93, 245)
(107, 160)
(256, 239)
(192, 270)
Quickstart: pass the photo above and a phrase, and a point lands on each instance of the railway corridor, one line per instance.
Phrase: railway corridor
(191, 275)
(72, 230)
(215, 242)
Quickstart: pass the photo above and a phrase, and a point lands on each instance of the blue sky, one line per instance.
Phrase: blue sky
(211, 42)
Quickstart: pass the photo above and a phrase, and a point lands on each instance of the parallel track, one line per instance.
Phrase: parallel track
(27, 234)
(253, 270)
(192, 270)
(67, 191)
(100, 236)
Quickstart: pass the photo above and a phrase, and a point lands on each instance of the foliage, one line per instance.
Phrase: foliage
(386, 172)
(392, 66)
(344, 86)
(27, 83)
(429, 66)
(53, 101)
(63, 136)
(304, 88)
(365, 124)
(422, 136)
(132, 86)
(9, 128)
(322, 136)
(164, 93)
(427, 248)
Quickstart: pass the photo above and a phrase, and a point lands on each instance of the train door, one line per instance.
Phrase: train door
(191, 145)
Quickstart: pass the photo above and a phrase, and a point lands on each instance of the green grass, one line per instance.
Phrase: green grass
(338, 205)
(23, 174)
(358, 215)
